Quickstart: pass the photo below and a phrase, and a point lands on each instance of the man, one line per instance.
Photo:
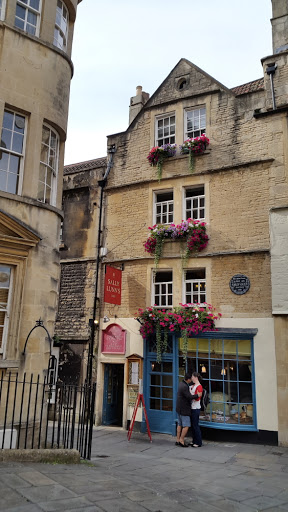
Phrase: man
(183, 409)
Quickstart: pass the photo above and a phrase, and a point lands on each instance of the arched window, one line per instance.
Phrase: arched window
(61, 26)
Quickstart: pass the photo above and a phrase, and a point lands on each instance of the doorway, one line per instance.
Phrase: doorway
(113, 394)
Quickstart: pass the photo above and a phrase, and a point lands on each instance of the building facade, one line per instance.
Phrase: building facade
(35, 70)
(239, 189)
(81, 194)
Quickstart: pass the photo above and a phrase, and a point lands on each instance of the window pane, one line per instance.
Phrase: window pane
(155, 380)
(12, 183)
(155, 391)
(8, 120)
(167, 380)
(20, 12)
(14, 164)
(3, 181)
(6, 139)
(155, 404)
(4, 158)
(19, 23)
(35, 4)
(167, 405)
(17, 144)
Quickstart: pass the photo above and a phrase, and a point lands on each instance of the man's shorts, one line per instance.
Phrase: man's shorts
(183, 421)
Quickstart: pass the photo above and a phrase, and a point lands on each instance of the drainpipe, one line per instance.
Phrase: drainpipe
(93, 322)
(270, 70)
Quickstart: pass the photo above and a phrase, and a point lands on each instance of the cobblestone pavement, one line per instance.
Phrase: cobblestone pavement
(157, 476)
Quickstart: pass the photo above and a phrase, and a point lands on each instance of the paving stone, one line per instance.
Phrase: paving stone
(36, 478)
(234, 506)
(67, 504)
(11, 499)
(120, 505)
(47, 492)
(14, 481)
(25, 508)
(263, 502)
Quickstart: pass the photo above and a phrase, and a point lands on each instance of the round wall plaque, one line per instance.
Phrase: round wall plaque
(239, 284)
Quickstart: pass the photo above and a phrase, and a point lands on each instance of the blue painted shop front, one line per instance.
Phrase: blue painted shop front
(225, 360)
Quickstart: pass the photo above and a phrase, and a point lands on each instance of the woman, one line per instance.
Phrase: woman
(196, 388)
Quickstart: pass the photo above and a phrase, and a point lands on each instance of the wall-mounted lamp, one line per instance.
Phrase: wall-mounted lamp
(223, 371)
(203, 369)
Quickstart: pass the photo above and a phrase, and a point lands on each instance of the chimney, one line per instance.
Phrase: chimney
(279, 25)
(137, 103)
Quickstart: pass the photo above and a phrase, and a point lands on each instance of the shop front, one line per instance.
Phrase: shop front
(225, 361)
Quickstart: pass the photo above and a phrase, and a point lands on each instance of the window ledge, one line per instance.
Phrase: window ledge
(32, 202)
(180, 157)
(6, 363)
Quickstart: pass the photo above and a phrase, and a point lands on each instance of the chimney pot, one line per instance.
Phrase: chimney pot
(138, 90)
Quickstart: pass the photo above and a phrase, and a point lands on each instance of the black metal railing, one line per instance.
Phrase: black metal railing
(36, 414)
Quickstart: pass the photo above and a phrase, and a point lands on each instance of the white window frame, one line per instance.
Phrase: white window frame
(170, 136)
(162, 203)
(34, 11)
(191, 133)
(165, 293)
(198, 207)
(53, 195)
(22, 155)
(7, 310)
(63, 29)
(2, 10)
(196, 282)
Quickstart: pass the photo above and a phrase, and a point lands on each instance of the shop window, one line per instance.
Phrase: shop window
(195, 122)
(27, 16)
(5, 292)
(227, 370)
(195, 286)
(195, 203)
(48, 174)
(61, 26)
(161, 386)
(165, 130)
(2, 9)
(162, 289)
(12, 152)
(163, 207)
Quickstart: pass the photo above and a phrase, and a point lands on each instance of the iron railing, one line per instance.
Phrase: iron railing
(36, 414)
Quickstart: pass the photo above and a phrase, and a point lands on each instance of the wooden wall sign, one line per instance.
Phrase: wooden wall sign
(114, 340)
(112, 285)
(239, 284)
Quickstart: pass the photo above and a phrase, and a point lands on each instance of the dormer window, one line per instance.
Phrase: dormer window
(195, 122)
(61, 26)
(27, 16)
(165, 130)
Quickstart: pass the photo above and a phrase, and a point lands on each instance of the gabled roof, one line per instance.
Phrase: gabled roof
(85, 166)
(168, 90)
(255, 85)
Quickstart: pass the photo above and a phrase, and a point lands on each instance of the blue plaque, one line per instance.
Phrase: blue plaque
(239, 284)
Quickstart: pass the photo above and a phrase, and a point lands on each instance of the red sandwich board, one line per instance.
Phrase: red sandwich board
(140, 398)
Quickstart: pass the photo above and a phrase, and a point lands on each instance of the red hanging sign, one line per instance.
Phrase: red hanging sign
(112, 286)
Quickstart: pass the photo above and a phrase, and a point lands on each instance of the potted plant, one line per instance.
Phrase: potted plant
(158, 154)
(194, 146)
(194, 232)
(187, 320)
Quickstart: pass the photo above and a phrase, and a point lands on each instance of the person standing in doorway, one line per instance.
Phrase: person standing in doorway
(196, 389)
(183, 409)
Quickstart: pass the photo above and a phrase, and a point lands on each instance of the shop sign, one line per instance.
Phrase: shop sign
(114, 340)
(239, 284)
(132, 396)
(112, 285)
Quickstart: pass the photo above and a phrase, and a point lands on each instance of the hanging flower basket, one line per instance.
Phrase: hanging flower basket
(157, 156)
(193, 147)
(194, 232)
(187, 320)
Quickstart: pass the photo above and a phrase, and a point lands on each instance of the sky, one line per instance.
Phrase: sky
(124, 43)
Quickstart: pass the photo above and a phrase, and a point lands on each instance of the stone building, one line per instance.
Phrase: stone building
(35, 70)
(78, 266)
(239, 187)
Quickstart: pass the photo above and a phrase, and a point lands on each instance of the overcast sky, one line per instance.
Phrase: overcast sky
(124, 43)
